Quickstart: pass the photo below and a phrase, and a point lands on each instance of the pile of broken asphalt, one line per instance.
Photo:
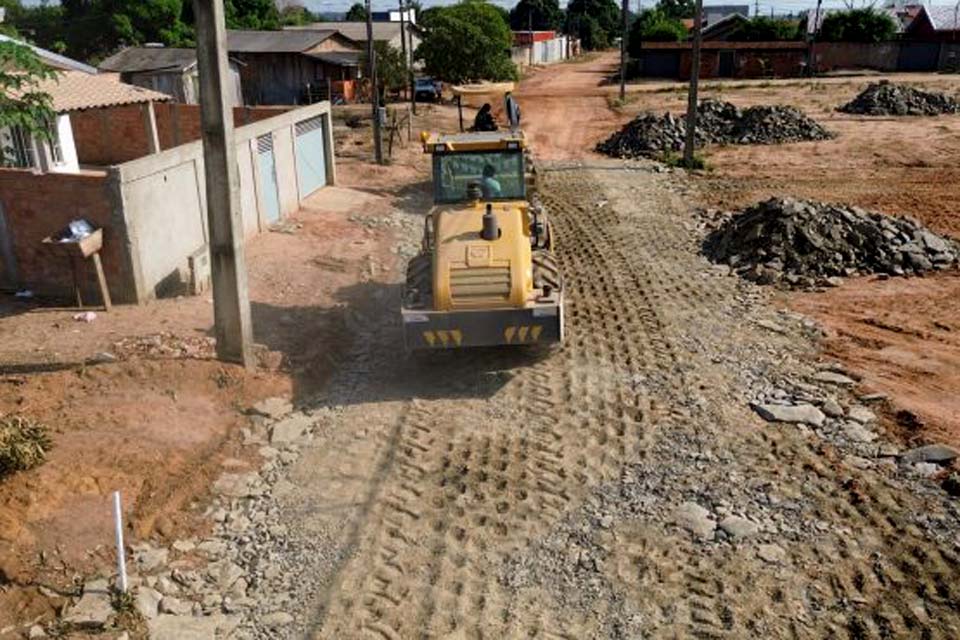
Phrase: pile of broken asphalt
(717, 123)
(800, 243)
(888, 99)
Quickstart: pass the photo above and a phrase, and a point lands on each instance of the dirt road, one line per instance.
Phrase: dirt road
(565, 108)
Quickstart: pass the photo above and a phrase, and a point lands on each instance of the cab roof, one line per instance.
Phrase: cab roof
(473, 141)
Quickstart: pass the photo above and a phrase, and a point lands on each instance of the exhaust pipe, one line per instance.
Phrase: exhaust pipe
(491, 230)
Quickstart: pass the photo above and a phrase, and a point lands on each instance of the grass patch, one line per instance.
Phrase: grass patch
(23, 444)
(676, 160)
(616, 104)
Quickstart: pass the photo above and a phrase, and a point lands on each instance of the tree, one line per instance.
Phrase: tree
(467, 42)
(22, 102)
(595, 22)
(653, 25)
(426, 16)
(357, 13)
(761, 29)
(293, 13)
(391, 70)
(93, 29)
(677, 9)
(542, 15)
(858, 25)
(252, 14)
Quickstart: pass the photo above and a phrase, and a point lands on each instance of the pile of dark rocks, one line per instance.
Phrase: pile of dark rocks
(887, 99)
(718, 122)
(799, 243)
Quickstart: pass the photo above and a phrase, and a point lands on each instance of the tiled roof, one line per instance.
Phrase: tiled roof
(134, 59)
(75, 91)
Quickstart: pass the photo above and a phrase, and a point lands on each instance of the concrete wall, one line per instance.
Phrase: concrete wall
(881, 56)
(543, 52)
(68, 146)
(164, 198)
(117, 134)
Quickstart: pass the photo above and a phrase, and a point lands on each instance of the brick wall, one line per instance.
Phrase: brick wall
(38, 205)
(115, 135)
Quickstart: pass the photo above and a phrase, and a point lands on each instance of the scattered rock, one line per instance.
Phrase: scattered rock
(239, 485)
(171, 627)
(694, 518)
(832, 377)
(937, 453)
(290, 429)
(832, 408)
(772, 553)
(36, 631)
(798, 413)
(273, 408)
(94, 609)
(277, 619)
(888, 99)
(862, 415)
(858, 433)
(925, 469)
(175, 606)
(148, 602)
(737, 527)
(149, 559)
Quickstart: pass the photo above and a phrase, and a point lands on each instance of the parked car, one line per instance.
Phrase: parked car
(427, 90)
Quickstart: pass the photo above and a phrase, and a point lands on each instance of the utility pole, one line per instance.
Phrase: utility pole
(756, 8)
(374, 91)
(811, 53)
(406, 61)
(691, 141)
(624, 11)
(231, 301)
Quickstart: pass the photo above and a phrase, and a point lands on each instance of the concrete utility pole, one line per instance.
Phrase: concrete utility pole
(624, 11)
(689, 146)
(374, 92)
(811, 52)
(231, 301)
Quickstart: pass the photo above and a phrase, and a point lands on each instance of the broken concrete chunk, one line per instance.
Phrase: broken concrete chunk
(938, 453)
(737, 527)
(862, 415)
(94, 608)
(832, 377)
(290, 429)
(695, 519)
(798, 413)
(772, 553)
(273, 408)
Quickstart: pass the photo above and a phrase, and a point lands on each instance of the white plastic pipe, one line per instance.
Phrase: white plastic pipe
(118, 527)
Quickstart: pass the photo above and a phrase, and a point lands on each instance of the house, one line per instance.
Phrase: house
(52, 59)
(169, 70)
(935, 24)
(725, 28)
(409, 16)
(724, 59)
(388, 32)
(902, 15)
(294, 66)
(539, 47)
(716, 13)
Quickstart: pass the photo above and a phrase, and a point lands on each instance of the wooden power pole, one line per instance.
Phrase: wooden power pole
(231, 301)
(625, 10)
(690, 146)
(407, 67)
(374, 92)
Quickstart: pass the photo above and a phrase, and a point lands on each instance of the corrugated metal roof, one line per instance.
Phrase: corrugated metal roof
(338, 58)
(358, 30)
(134, 59)
(75, 91)
(276, 41)
(55, 60)
(945, 18)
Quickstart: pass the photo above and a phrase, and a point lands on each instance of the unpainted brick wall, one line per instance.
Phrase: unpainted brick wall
(114, 135)
(37, 205)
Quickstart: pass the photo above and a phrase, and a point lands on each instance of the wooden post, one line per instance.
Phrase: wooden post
(150, 127)
(375, 94)
(102, 281)
(231, 303)
(688, 148)
(623, 51)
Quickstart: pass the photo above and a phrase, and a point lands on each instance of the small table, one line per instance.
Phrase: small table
(84, 248)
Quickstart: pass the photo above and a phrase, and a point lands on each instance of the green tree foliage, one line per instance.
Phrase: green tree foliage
(654, 25)
(858, 25)
(252, 14)
(391, 71)
(467, 42)
(543, 15)
(425, 17)
(294, 14)
(595, 22)
(357, 13)
(22, 102)
(762, 29)
(677, 9)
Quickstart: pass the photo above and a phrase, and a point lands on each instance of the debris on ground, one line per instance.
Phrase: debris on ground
(805, 243)
(718, 122)
(889, 99)
(165, 345)
(23, 444)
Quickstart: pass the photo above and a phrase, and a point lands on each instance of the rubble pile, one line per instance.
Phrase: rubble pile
(718, 122)
(887, 99)
(806, 243)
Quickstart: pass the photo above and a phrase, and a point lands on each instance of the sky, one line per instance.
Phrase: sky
(765, 6)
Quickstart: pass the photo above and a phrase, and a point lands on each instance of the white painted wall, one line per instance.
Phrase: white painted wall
(67, 146)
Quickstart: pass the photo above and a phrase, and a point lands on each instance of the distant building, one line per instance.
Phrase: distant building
(52, 59)
(169, 70)
(716, 13)
(409, 16)
(387, 31)
(935, 23)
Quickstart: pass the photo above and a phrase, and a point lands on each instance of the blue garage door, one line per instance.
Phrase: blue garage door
(269, 196)
(311, 159)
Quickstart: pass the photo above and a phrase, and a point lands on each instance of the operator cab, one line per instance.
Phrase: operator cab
(487, 166)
